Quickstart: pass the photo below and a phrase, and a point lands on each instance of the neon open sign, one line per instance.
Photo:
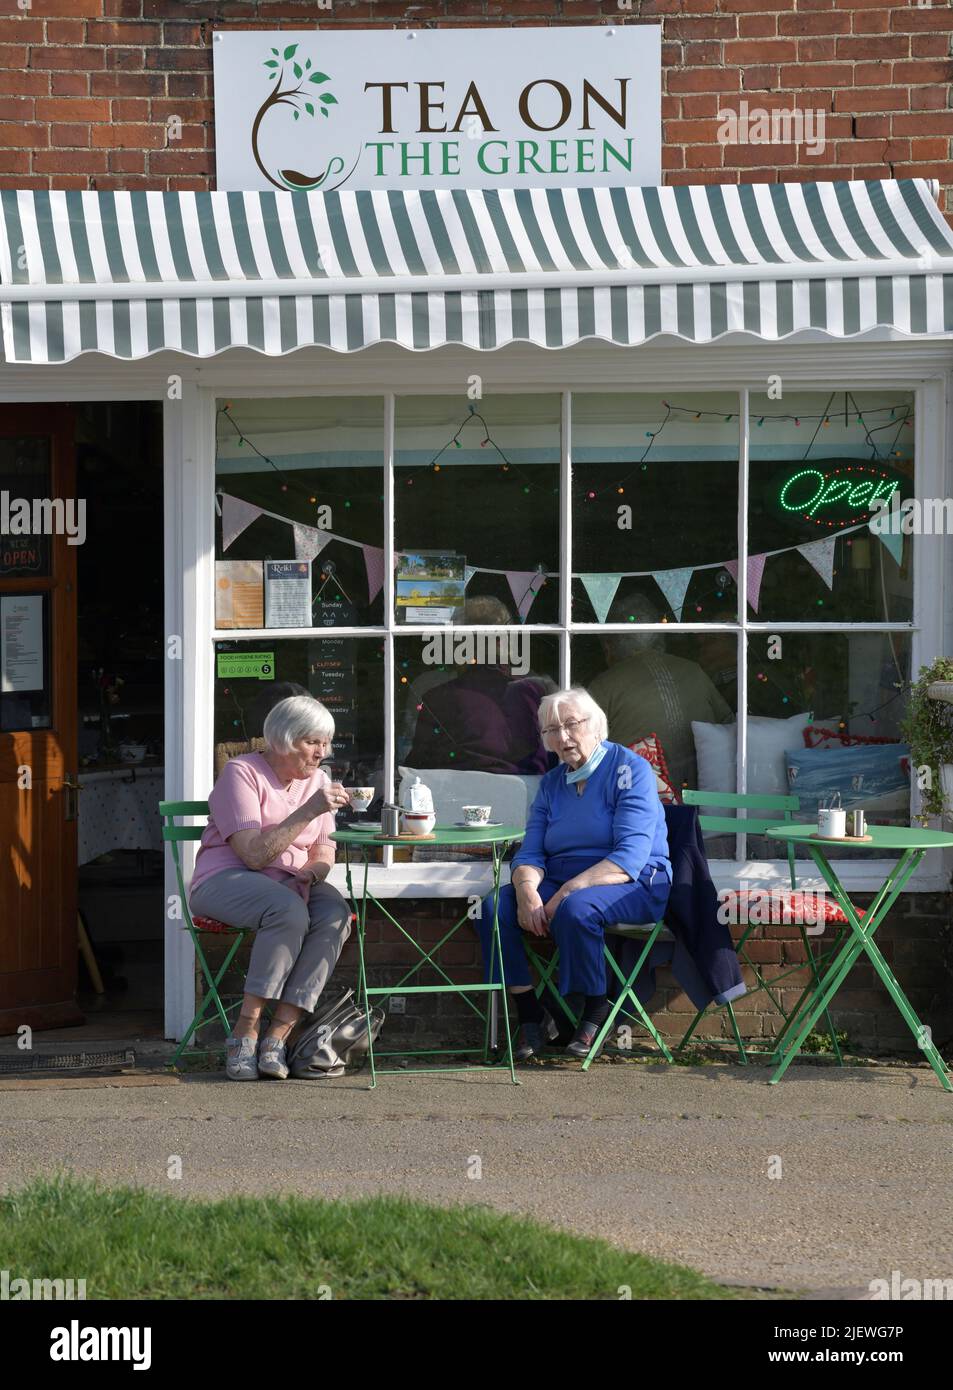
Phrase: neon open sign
(852, 486)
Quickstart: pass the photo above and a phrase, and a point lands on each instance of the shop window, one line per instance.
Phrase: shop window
(659, 555)
(824, 722)
(300, 502)
(818, 458)
(466, 720)
(660, 691)
(345, 673)
(476, 507)
(654, 507)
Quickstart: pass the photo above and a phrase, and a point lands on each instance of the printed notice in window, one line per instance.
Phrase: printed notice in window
(239, 600)
(21, 642)
(287, 593)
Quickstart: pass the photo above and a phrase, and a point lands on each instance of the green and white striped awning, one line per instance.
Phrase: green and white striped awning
(130, 274)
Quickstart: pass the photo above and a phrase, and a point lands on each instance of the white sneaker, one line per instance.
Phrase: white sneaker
(272, 1059)
(241, 1059)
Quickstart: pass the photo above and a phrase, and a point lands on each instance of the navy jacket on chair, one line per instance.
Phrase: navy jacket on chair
(702, 956)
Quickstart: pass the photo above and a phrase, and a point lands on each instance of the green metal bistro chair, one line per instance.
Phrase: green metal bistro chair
(779, 808)
(649, 933)
(174, 834)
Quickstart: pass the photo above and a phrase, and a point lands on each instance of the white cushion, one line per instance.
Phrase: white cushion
(510, 796)
(768, 740)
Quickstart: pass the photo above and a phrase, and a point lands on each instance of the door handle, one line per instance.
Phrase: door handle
(72, 805)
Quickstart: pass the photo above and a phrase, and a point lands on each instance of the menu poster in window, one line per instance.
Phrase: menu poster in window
(335, 613)
(430, 586)
(21, 642)
(287, 593)
(334, 683)
(239, 595)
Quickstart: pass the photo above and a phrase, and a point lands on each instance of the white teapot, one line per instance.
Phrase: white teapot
(419, 797)
(418, 815)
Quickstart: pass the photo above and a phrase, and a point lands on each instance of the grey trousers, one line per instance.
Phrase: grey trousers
(296, 944)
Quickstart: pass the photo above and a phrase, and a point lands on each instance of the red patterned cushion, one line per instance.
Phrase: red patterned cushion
(768, 906)
(212, 924)
(650, 749)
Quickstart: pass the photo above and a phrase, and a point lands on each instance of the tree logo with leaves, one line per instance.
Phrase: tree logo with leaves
(302, 92)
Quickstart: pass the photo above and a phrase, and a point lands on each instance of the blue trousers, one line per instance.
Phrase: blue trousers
(578, 929)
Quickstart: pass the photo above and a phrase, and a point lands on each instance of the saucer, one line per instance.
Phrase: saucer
(483, 825)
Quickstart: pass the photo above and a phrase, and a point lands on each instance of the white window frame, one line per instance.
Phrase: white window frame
(391, 879)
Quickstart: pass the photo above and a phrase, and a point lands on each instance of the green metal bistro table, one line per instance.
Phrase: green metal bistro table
(499, 838)
(913, 844)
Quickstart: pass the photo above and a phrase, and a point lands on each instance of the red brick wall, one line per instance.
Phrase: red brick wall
(916, 940)
(86, 86)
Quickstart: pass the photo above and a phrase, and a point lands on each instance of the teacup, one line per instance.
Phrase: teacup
(476, 815)
(360, 797)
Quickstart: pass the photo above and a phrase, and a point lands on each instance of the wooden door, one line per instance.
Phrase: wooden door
(38, 718)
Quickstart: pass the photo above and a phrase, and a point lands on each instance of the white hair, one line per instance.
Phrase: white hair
(580, 700)
(291, 720)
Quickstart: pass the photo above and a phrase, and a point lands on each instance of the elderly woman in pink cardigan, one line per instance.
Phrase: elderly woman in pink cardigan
(262, 863)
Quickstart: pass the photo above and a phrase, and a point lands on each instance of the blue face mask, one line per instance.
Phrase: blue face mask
(589, 766)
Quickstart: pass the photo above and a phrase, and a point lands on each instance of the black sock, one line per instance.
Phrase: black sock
(595, 1009)
(528, 1007)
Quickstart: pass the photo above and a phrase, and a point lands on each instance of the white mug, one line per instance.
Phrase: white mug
(832, 823)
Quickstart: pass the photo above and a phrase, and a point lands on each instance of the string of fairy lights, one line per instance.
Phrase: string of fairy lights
(899, 416)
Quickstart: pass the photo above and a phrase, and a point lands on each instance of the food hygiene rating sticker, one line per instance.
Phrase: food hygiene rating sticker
(253, 666)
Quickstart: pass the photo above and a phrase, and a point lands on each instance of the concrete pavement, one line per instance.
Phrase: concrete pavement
(672, 1161)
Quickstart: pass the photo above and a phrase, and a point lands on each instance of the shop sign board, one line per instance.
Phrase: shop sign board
(574, 106)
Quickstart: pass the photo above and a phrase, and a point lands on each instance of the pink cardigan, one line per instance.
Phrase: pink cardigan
(249, 796)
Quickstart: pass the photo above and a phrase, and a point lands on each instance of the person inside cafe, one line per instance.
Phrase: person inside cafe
(595, 853)
(262, 864)
(646, 691)
(480, 718)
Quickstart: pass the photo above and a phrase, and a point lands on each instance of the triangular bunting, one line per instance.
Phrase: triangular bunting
(755, 575)
(820, 556)
(524, 586)
(374, 560)
(601, 589)
(236, 516)
(674, 584)
(893, 542)
(468, 573)
(309, 541)
(886, 526)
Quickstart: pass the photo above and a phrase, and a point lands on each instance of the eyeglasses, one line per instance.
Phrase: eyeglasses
(571, 726)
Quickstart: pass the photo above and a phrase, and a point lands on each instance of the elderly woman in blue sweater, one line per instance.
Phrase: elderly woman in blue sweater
(595, 853)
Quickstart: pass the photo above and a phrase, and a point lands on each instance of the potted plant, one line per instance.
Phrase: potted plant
(928, 728)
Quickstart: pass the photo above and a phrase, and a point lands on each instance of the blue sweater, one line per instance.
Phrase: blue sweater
(619, 817)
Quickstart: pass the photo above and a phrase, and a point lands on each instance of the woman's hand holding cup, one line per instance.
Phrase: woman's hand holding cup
(330, 798)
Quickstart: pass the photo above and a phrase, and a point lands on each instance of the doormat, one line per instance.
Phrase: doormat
(67, 1061)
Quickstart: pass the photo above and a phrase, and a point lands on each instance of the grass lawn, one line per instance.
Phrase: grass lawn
(133, 1243)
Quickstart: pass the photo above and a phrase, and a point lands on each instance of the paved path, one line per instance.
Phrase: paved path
(670, 1161)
